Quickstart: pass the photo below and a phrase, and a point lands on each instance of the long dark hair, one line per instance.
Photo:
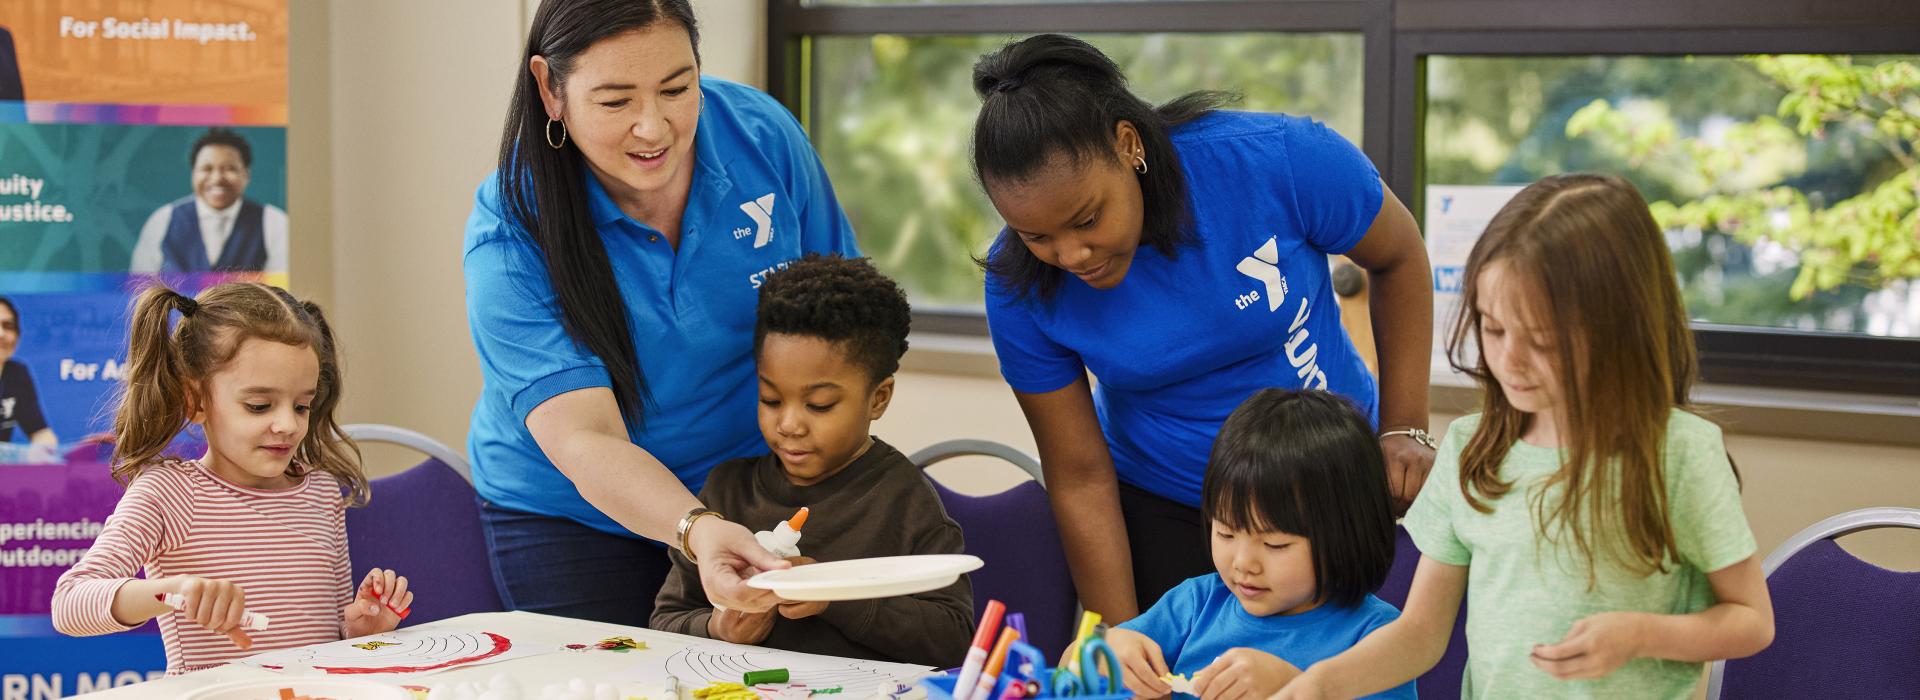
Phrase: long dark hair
(544, 188)
(1054, 94)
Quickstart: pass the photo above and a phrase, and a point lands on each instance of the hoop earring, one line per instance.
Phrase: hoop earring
(1140, 163)
(563, 134)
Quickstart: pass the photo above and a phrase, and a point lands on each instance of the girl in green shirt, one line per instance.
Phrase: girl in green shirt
(1596, 519)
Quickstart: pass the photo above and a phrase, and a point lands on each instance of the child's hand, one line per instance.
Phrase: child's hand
(1595, 646)
(377, 604)
(801, 609)
(214, 604)
(1141, 662)
(729, 625)
(1243, 674)
(1305, 686)
(796, 609)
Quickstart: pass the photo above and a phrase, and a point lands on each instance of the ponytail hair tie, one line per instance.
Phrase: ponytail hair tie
(1007, 85)
(188, 307)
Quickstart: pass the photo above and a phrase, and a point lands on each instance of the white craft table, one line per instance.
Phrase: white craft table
(531, 630)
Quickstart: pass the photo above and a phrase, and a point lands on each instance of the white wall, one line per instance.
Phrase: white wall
(396, 117)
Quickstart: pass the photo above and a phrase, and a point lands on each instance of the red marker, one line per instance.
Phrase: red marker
(401, 612)
(977, 655)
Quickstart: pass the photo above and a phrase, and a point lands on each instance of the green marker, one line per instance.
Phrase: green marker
(772, 675)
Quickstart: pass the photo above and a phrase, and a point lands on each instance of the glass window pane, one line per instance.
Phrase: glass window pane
(894, 123)
(1787, 184)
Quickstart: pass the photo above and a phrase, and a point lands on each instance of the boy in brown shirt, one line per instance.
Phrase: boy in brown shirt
(828, 339)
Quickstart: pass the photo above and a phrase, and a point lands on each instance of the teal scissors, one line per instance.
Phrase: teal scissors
(1087, 681)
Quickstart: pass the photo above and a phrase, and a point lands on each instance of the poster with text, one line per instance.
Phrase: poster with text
(1455, 217)
(141, 142)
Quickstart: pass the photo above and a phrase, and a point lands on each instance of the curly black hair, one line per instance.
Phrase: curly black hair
(842, 300)
(221, 136)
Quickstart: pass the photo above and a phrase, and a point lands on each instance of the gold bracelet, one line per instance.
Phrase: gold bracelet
(685, 528)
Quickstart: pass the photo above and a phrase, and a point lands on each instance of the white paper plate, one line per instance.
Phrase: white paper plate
(335, 688)
(859, 579)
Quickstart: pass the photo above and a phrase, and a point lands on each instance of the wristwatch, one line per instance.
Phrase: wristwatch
(1419, 435)
(686, 526)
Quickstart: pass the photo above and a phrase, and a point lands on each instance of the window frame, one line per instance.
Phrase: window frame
(1397, 37)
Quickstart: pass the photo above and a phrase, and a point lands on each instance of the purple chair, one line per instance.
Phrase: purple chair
(1443, 680)
(425, 525)
(1014, 533)
(1843, 628)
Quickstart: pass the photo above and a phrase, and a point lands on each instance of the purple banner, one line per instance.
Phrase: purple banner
(49, 516)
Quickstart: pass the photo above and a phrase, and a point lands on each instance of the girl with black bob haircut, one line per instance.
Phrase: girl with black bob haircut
(1304, 462)
(1181, 255)
(1302, 534)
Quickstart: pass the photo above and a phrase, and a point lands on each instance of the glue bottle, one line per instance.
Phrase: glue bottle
(784, 539)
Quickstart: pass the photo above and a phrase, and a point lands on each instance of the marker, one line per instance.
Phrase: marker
(995, 664)
(1018, 621)
(977, 655)
(769, 676)
(1088, 621)
(402, 613)
(249, 620)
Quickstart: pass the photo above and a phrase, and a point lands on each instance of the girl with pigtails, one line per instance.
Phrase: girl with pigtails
(245, 548)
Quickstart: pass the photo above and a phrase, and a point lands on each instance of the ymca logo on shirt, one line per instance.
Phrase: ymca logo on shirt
(761, 211)
(1264, 265)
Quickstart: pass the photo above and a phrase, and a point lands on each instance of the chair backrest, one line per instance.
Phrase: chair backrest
(1014, 533)
(424, 523)
(1443, 680)
(1843, 628)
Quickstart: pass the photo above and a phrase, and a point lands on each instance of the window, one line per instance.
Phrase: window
(1786, 287)
(893, 121)
(1775, 221)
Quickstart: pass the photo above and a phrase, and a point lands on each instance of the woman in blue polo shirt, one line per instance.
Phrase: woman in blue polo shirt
(612, 265)
(1179, 254)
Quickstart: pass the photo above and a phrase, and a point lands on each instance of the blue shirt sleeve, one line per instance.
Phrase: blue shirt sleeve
(1336, 190)
(1031, 362)
(1170, 621)
(512, 308)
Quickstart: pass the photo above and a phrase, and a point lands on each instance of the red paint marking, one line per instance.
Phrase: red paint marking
(500, 646)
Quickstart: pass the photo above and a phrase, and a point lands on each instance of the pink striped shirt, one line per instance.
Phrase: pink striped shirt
(287, 549)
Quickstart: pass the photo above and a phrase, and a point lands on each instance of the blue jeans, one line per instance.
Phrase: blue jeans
(557, 566)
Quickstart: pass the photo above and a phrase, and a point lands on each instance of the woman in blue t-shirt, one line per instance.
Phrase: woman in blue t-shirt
(612, 267)
(1180, 255)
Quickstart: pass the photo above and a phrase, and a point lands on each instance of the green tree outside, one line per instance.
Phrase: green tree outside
(893, 121)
